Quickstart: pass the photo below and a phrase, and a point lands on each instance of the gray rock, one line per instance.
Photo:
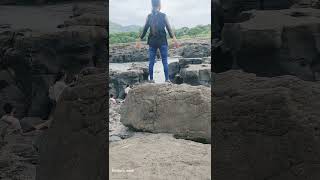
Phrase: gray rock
(195, 51)
(174, 69)
(127, 53)
(119, 79)
(278, 47)
(183, 62)
(182, 110)
(265, 128)
(197, 74)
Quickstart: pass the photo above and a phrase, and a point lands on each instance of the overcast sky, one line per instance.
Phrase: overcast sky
(181, 13)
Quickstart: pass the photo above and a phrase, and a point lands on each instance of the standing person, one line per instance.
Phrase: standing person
(112, 100)
(55, 92)
(10, 124)
(126, 90)
(157, 22)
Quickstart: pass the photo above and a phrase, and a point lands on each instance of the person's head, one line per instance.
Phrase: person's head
(128, 85)
(156, 4)
(60, 76)
(111, 95)
(8, 108)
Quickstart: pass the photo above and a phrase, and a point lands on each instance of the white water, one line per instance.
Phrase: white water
(158, 73)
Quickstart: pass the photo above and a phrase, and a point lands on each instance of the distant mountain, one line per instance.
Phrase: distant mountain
(116, 28)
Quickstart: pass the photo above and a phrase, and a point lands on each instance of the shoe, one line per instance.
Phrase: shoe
(151, 81)
(168, 81)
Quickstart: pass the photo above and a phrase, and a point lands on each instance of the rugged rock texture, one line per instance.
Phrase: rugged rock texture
(127, 53)
(289, 44)
(196, 74)
(159, 156)
(191, 48)
(193, 71)
(19, 156)
(117, 130)
(182, 110)
(31, 54)
(119, 79)
(265, 128)
(233, 8)
(195, 50)
(307, 3)
(183, 62)
(74, 147)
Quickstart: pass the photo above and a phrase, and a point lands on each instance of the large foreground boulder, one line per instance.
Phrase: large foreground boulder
(266, 128)
(74, 147)
(182, 110)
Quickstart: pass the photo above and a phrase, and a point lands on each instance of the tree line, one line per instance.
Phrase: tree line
(182, 33)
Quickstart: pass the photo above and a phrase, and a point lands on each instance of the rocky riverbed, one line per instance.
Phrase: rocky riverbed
(150, 130)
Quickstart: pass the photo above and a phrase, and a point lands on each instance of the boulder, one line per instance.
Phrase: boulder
(197, 74)
(74, 147)
(183, 62)
(182, 110)
(197, 50)
(119, 79)
(265, 128)
(127, 53)
(288, 45)
(174, 68)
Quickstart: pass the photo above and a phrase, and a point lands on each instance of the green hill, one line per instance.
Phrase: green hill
(117, 28)
(131, 36)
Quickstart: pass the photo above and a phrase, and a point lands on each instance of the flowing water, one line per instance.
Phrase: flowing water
(158, 73)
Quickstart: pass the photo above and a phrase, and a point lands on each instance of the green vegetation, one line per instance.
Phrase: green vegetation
(182, 33)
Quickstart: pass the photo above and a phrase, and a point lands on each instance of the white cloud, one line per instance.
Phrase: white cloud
(180, 12)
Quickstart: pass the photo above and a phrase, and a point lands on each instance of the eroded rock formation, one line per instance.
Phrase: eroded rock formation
(182, 110)
(265, 128)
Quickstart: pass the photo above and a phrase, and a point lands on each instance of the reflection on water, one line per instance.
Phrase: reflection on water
(158, 73)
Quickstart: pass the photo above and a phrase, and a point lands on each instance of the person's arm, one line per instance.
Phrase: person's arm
(144, 32)
(145, 29)
(171, 34)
